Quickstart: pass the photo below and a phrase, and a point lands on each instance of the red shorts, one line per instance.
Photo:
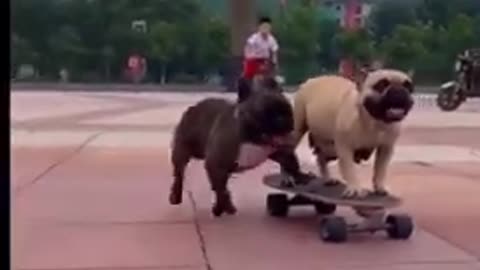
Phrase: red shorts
(253, 66)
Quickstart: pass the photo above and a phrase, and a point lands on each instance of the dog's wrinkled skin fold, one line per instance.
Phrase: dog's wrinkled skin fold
(216, 130)
(351, 120)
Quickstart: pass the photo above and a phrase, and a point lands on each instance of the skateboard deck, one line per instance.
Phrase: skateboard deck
(317, 190)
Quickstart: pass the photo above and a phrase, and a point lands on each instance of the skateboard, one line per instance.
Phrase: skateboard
(325, 197)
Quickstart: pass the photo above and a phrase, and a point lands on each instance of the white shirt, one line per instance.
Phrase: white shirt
(259, 47)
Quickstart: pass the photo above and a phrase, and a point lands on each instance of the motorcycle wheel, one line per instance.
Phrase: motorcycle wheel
(449, 99)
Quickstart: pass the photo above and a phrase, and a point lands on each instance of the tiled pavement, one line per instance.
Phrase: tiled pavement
(91, 177)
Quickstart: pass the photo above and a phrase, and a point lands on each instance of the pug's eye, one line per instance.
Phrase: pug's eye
(408, 85)
(381, 85)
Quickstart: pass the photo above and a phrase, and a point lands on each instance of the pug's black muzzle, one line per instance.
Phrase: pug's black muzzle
(392, 106)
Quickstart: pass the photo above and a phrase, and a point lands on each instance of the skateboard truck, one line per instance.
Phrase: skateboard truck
(278, 205)
(373, 220)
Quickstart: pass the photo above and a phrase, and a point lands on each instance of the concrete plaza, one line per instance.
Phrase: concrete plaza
(90, 182)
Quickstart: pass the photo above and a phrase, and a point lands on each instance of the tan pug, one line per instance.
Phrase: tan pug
(351, 120)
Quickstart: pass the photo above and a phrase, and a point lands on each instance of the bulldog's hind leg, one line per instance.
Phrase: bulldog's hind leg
(218, 178)
(179, 158)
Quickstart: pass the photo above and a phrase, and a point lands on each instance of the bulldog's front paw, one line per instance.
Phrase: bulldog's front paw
(223, 204)
(230, 209)
(175, 197)
(356, 192)
(219, 209)
(304, 178)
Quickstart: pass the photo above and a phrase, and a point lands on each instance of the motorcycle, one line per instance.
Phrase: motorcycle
(454, 93)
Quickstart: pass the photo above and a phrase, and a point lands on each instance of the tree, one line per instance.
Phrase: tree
(298, 38)
(440, 12)
(165, 45)
(356, 45)
(22, 52)
(327, 28)
(405, 46)
(242, 21)
(216, 44)
(460, 33)
(387, 14)
(69, 48)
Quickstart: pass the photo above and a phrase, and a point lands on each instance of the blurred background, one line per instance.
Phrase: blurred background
(201, 41)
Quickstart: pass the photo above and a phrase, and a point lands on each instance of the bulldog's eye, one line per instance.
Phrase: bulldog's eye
(408, 85)
(381, 85)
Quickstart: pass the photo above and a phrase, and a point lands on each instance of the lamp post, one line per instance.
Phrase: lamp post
(347, 66)
(136, 61)
(242, 22)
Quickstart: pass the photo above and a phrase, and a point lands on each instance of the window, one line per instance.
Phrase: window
(359, 9)
(358, 21)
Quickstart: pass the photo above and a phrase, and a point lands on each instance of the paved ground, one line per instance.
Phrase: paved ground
(91, 177)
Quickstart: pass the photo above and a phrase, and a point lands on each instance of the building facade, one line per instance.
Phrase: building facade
(348, 13)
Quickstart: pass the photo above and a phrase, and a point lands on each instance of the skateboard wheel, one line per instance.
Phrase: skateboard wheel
(399, 226)
(333, 229)
(277, 205)
(325, 208)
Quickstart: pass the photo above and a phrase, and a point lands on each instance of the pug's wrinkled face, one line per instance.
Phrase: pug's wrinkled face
(387, 95)
(267, 118)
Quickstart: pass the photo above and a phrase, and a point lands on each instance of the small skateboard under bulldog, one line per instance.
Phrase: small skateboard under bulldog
(325, 197)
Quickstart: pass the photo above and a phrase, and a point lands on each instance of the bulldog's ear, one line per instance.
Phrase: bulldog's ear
(244, 89)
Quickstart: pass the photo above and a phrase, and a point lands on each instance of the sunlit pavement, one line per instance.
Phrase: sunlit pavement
(91, 177)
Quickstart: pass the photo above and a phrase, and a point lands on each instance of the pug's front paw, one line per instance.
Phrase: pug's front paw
(381, 191)
(354, 192)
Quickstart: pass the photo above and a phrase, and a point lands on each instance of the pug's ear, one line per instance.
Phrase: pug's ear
(360, 77)
(411, 73)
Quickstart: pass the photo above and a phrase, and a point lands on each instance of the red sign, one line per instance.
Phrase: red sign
(134, 62)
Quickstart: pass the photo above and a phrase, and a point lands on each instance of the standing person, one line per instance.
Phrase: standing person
(136, 67)
(260, 50)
